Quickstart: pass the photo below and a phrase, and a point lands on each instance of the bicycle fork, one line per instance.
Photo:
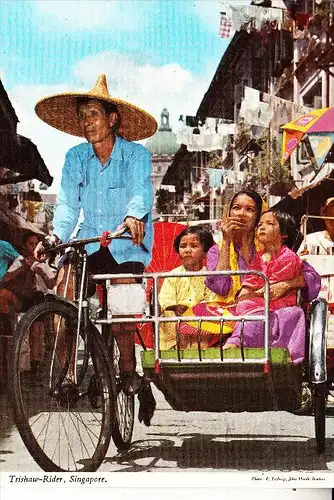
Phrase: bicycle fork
(60, 342)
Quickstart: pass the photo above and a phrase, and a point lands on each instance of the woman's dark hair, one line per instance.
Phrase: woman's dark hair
(255, 197)
(287, 227)
(204, 235)
(108, 107)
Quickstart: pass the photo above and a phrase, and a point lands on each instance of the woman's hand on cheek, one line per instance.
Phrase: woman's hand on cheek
(229, 226)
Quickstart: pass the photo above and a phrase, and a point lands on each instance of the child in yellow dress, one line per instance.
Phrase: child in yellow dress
(179, 293)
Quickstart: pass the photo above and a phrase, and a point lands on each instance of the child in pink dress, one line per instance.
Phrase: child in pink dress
(276, 261)
(276, 232)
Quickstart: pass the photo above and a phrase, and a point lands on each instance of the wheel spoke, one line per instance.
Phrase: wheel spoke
(60, 424)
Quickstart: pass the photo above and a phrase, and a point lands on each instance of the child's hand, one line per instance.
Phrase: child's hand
(179, 309)
(278, 290)
(241, 294)
(245, 293)
(305, 251)
(259, 292)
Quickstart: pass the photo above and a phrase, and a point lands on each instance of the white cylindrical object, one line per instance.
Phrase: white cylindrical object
(126, 299)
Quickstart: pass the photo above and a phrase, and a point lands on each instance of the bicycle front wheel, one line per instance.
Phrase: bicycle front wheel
(64, 420)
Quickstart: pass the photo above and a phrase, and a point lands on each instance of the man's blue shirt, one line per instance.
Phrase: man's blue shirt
(107, 194)
(7, 257)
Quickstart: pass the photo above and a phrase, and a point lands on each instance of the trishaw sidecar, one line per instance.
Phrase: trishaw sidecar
(241, 379)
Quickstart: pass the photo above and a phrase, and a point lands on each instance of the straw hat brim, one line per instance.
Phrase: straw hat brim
(60, 111)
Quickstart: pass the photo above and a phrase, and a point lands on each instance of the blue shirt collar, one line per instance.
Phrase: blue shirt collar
(116, 153)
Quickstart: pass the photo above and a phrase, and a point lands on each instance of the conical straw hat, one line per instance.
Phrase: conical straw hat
(60, 111)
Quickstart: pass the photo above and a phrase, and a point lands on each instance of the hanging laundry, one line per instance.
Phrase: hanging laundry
(225, 26)
(253, 18)
(211, 135)
(215, 177)
(265, 110)
(261, 3)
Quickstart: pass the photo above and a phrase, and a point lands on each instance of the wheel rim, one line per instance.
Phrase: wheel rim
(63, 428)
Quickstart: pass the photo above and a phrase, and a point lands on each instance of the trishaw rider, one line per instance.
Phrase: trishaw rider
(109, 179)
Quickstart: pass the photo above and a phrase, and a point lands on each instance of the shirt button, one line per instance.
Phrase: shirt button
(99, 210)
(100, 173)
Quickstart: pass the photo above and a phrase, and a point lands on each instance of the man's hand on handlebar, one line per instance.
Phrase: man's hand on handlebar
(136, 228)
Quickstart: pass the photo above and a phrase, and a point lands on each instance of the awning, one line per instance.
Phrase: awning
(13, 226)
(20, 155)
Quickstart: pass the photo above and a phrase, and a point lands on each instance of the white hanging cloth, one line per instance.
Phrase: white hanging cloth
(253, 18)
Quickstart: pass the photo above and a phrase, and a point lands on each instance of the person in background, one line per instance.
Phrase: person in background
(26, 279)
(7, 256)
(23, 286)
(321, 242)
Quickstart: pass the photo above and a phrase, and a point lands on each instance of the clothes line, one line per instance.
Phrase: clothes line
(261, 19)
(211, 135)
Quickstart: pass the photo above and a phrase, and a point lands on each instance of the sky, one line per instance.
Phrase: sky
(155, 53)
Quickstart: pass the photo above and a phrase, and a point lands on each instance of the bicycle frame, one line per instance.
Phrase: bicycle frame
(80, 255)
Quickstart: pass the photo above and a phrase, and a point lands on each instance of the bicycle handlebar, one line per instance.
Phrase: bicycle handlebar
(113, 235)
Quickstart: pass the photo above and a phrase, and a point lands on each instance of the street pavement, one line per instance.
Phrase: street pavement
(178, 442)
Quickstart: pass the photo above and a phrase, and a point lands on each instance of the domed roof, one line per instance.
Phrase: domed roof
(164, 141)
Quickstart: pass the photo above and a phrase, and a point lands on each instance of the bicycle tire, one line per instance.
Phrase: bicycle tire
(319, 407)
(123, 422)
(43, 407)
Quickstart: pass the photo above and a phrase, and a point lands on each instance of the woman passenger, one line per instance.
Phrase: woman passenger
(237, 248)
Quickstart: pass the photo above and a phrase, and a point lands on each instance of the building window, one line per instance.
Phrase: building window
(313, 98)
